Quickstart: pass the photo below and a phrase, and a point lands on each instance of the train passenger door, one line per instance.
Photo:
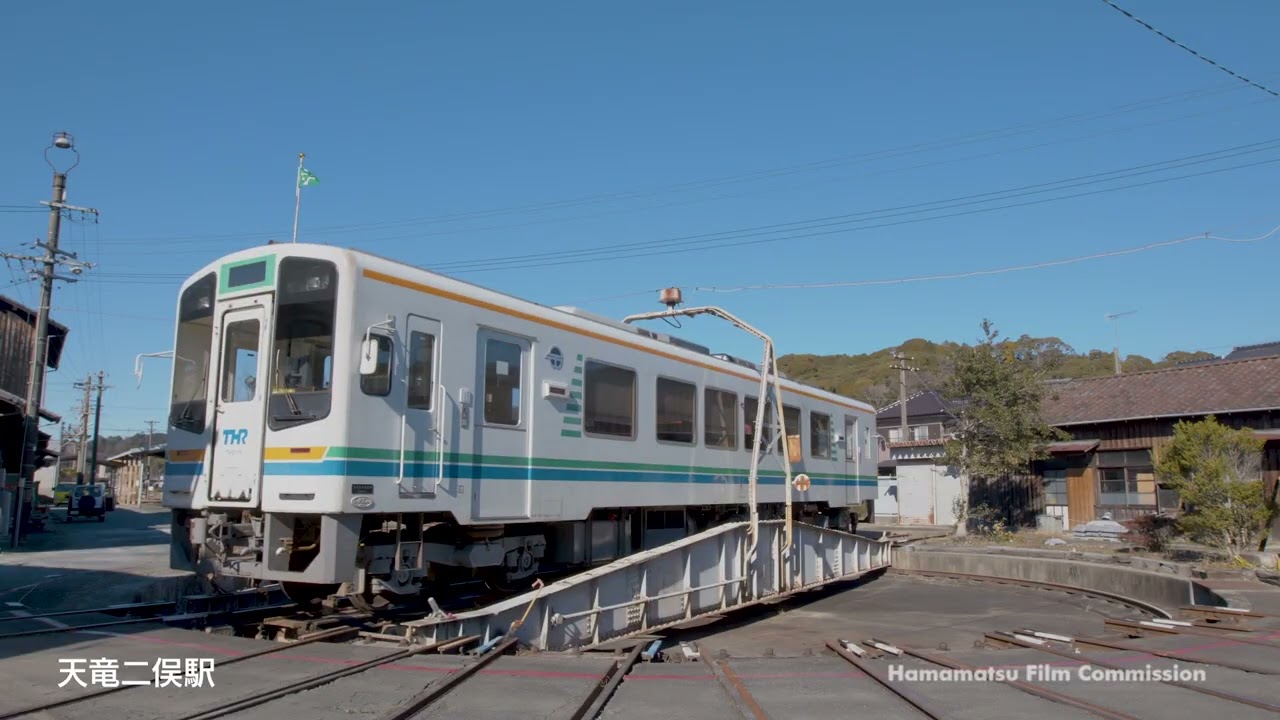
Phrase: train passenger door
(853, 453)
(500, 476)
(422, 437)
(240, 403)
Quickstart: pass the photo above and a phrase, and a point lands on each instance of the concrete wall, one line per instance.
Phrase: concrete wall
(1165, 591)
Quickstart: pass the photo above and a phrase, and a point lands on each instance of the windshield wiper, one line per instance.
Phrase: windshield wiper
(288, 397)
(299, 417)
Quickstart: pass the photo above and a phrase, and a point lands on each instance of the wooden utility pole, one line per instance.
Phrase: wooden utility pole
(97, 417)
(902, 369)
(82, 451)
(146, 460)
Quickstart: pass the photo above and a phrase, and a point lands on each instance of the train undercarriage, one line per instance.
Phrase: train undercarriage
(389, 560)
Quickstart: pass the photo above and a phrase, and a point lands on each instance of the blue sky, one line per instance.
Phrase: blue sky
(450, 132)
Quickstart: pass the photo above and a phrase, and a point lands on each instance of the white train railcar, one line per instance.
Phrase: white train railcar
(485, 435)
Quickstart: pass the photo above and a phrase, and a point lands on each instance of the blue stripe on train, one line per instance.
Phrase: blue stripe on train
(373, 468)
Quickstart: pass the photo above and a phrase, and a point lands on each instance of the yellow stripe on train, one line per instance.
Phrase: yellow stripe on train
(294, 453)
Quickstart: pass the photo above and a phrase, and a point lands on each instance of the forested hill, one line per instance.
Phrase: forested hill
(870, 377)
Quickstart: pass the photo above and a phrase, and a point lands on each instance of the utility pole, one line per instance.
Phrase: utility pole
(97, 417)
(82, 452)
(902, 369)
(52, 258)
(146, 460)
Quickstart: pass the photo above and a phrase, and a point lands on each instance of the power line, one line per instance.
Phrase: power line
(870, 215)
(992, 271)
(916, 148)
(830, 225)
(732, 243)
(1221, 67)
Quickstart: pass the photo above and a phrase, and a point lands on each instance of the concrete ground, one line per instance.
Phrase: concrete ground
(86, 563)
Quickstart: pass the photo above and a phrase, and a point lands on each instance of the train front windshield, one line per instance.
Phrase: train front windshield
(302, 359)
(192, 351)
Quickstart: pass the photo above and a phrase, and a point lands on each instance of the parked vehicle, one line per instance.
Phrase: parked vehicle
(62, 493)
(88, 501)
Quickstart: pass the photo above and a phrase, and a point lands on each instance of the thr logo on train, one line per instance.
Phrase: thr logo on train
(235, 437)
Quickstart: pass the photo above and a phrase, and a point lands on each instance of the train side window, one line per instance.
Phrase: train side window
(422, 354)
(609, 400)
(677, 409)
(379, 381)
(750, 406)
(720, 419)
(791, 416)
(502, 382)
(819, 434)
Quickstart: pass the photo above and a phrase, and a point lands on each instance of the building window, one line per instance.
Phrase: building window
(379, 382)
(1126, 478)
(920, 432)
(609, 400)
(502, 382)
(720, 419)
(676, 410)
(1055, 487)
(422, 352)
(819, 435)
(895, 434)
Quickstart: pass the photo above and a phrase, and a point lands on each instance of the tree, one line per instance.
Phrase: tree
(1217, 472)
(998, 389)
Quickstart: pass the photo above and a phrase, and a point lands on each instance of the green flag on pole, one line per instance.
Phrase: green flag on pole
(305, 178)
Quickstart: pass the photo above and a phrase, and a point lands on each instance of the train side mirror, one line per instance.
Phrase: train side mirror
(368, 356)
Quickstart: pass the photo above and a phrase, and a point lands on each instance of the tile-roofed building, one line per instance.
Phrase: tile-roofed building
(1243, 352)
(1119, 425)
(1213, 388)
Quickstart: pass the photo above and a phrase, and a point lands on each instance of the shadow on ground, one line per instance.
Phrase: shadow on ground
(123, 527)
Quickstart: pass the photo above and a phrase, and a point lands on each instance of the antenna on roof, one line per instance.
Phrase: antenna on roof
(1115, 352)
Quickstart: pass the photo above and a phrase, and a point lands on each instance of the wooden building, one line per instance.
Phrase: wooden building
(17, 335)
(1120, 424)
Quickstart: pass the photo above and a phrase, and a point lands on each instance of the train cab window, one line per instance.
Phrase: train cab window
(192, 351)
(302, 357)
(502, 382)
(609, 400)
(676, 404)
(720, 419)
(240, 361)
(819, 435)
(379, 381)
(422, 353)
(750, 406)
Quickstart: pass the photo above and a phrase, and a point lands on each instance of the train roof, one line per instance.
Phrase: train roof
(579, 314)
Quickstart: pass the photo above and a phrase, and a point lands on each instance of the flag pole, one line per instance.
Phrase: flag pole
(297, 197)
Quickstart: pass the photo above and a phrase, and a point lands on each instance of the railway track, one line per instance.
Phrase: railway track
(1140, 605)
(35, 710)
(497, 679)
(247, 615)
